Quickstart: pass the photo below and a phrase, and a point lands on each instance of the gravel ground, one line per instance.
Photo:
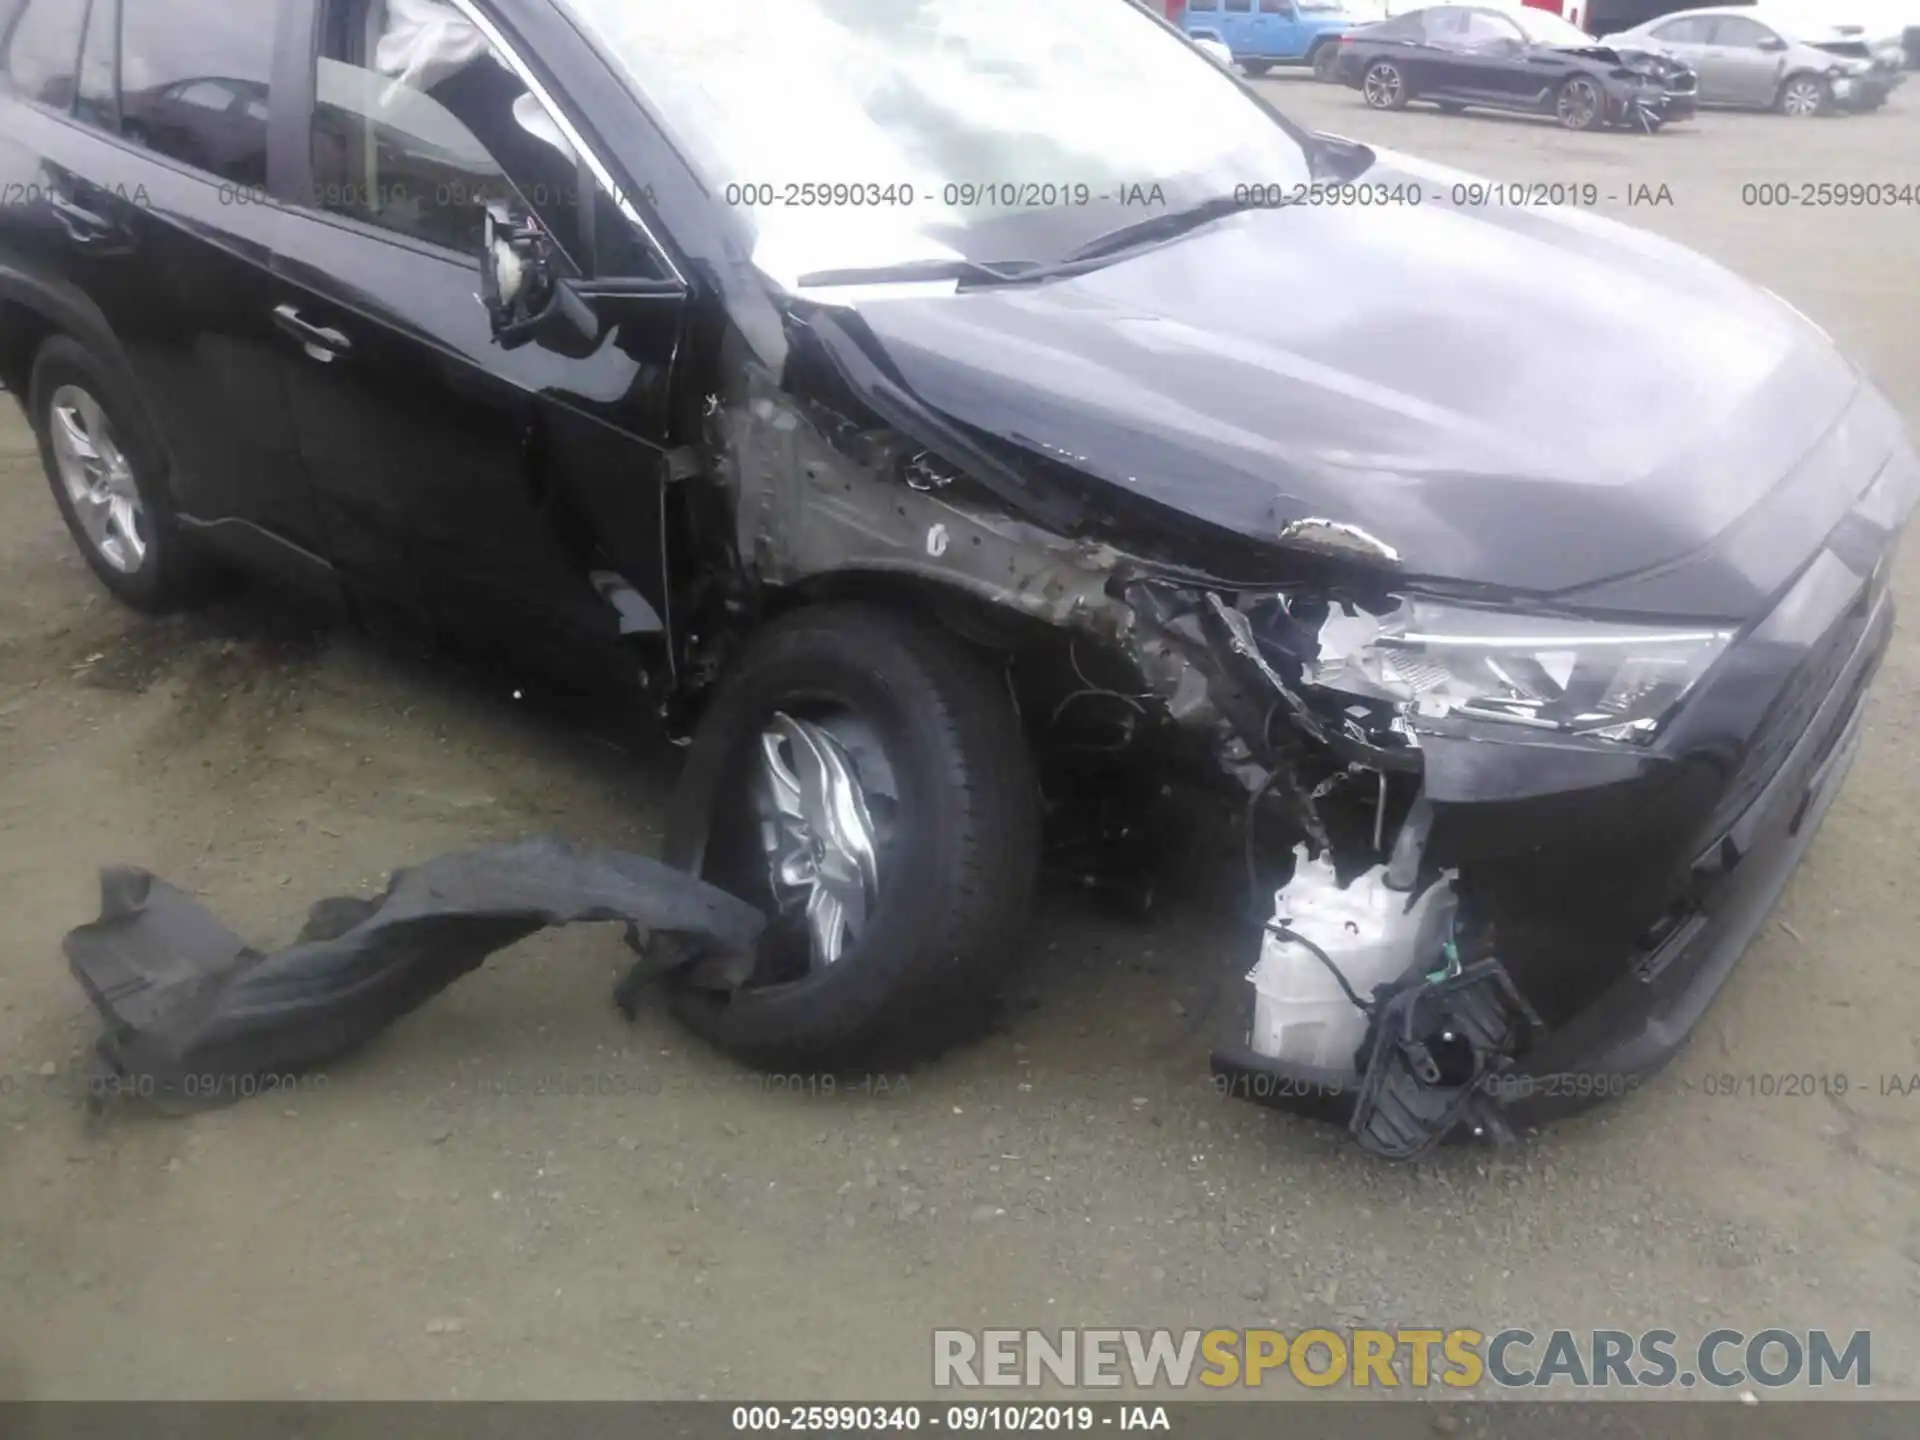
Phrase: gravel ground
(419, 1228)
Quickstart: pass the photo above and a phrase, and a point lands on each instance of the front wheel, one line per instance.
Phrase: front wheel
(862, 776)
(1384, 87)
(1804, 96)
(1580, 105)
(1326, 64)
(1256, 68)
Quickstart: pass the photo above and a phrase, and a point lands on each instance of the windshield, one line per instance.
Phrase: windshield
(1546, 29)
(875, 133)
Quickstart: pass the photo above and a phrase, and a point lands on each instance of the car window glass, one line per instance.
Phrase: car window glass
(42, 48)
(1275, 7)
(1405, 27)
(1238, 5)
(1484, 28)
(1202, 5)
(1681, 32)
(418, 127)
(194, 79)
(1739, 31)
(1444, 22)
(99, 102)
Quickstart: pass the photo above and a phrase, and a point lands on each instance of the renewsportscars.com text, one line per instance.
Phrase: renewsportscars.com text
(1382, 1359)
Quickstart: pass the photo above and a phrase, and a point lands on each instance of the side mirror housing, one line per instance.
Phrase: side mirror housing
(527, 300)
(1774, 43)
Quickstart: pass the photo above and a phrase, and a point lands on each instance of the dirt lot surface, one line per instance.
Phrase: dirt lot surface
(423, 1227)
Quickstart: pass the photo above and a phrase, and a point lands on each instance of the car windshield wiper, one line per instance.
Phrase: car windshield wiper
(1166, 226)
(1154, 229)
(1000, 272)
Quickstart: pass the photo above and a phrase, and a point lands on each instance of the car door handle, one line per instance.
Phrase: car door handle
(82, 225)
(318, 341)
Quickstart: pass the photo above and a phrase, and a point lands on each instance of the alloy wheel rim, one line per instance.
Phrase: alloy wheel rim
(1803, 98)
(1578, 104)
(817, 795)
(1383, 85)
(98, 479)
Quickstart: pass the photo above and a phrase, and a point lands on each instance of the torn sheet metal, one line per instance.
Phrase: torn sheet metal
(193, 1014)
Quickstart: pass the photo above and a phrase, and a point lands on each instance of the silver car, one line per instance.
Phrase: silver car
(1750, 56)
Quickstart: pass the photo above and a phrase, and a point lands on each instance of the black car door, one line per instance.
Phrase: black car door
(1443, 71)
(138, 241)
(508, 500)
(1478, 51)
(1509, 69)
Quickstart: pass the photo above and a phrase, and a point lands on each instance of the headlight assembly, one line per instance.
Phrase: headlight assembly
(1610, 681)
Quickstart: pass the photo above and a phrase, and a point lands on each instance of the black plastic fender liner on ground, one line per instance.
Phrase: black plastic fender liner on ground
(194, 1016)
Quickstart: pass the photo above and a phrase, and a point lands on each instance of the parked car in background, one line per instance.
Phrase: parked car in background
(1884, 25)
(1470, 57)
(1215, 49)
(1264, 33)
(1768, 58)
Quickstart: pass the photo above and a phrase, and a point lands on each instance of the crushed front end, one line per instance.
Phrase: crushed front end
(1505, 858)
(1502, 846)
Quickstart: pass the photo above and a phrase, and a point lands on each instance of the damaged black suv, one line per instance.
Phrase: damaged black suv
(920, 423)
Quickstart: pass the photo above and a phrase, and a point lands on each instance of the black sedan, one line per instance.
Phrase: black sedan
(1461, 56)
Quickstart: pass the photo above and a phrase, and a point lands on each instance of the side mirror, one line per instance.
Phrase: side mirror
(527, 301)
(1774, 43)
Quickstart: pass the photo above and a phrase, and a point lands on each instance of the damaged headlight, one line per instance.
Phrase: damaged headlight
(1611, 681)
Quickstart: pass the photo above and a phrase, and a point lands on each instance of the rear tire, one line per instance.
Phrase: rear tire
(109, 482)
(1384, 87)
(957, 839)
(1326, 63)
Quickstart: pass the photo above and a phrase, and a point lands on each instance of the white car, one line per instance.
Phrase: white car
(1214, 49)
(1783, 55)
(1880, 25)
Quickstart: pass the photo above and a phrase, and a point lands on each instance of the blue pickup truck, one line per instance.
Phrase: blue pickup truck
(1265, 33)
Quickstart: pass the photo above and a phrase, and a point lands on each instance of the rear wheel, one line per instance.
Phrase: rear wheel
(863, 777)
(1804, 96)
(1384, 87)
(1326, 63)
(107, 480)
(1579, 105)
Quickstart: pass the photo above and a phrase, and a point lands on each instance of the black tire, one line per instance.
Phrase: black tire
(955, 883)
(1384, 86)
(1788, 101)
(1580, 104)
(1256, 68)
(170, 571)
(1325, 60)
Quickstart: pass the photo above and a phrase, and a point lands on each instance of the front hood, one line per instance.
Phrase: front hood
(1659, 65)
(1528, 398)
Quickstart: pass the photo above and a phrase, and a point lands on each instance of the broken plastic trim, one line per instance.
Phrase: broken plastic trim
(1433, 1050)
(194, 1016)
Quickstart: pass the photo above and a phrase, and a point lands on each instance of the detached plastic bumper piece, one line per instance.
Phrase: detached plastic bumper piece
(1433, 1047)
(192, 1012)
